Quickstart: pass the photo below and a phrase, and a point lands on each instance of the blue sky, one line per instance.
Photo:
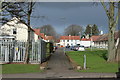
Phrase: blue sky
(79, 13)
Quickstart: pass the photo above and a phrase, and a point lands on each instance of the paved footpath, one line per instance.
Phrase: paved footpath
(59, 67)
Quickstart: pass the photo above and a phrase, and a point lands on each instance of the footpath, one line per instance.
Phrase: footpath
(59, 67)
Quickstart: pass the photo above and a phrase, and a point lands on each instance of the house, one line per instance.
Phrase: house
(69, 40)
(49, 38)
(17, 29)
(85, 42)
(43, 36)
(101, 41)
(94, 39)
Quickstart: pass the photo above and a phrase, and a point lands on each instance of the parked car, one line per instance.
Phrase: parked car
(81, 48)
(72, 47)
(67, 46)
(75, 48)
(78, 48)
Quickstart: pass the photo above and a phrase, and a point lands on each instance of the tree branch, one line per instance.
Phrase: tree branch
(105, 8)
(118, 14)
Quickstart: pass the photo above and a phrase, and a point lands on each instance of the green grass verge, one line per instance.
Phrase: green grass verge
(20, 68)
(96, 61)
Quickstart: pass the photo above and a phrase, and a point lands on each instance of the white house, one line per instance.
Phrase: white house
(85, 42)
(101, 41)
(44, 37)
(69, 40)
(17, 29)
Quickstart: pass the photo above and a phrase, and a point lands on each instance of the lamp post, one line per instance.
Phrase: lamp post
(91, 38)
(80, 36)
(63, 20)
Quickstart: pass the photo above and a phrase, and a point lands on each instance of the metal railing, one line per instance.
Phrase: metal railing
(13, 51)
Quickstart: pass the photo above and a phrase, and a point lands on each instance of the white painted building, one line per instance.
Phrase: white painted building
(69, 41)
(85, 42)
(18, 29)
(101, 41)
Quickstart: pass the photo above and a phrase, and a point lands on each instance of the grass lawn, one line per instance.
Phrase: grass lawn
(96, 61)
(20, 68)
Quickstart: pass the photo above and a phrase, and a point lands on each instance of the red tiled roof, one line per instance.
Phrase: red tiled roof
(37, 31)
(49, 38)
(85, 39)
(94, 38)
(104, 37)
(70, 37)
(42, 35)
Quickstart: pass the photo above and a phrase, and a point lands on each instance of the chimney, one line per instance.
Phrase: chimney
(45, 35)
(101, 32)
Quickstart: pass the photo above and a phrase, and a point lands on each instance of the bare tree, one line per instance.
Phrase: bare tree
(48, 30)
(22, 10)
(28, 11)
(73, 30)
(113, 21)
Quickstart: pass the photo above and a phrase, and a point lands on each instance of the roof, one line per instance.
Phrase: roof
(70, 37)
(14, 21)
(49, 38)
(42, 35)
(37, 31)
(104, 37)
(85, 39)
(94, 38)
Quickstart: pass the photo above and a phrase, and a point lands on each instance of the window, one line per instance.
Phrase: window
(14, 31)
(71, 44)
(67, 40)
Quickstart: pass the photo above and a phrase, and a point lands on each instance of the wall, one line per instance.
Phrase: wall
(85, 43)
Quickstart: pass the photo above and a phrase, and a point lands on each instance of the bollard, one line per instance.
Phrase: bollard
(84, 61)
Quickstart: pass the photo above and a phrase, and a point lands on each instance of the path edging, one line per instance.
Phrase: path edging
(74, 64)
(43, 65)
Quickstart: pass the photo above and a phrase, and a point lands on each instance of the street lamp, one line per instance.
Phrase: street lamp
(80, 37)
(91, 38)
(63, 20)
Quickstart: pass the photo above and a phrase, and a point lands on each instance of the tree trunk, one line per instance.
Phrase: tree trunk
(111, 46)
(28, 40)
(28, 43)
(111, 39)
(118, 47)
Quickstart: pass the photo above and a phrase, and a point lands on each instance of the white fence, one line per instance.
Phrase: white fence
(15, 51)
